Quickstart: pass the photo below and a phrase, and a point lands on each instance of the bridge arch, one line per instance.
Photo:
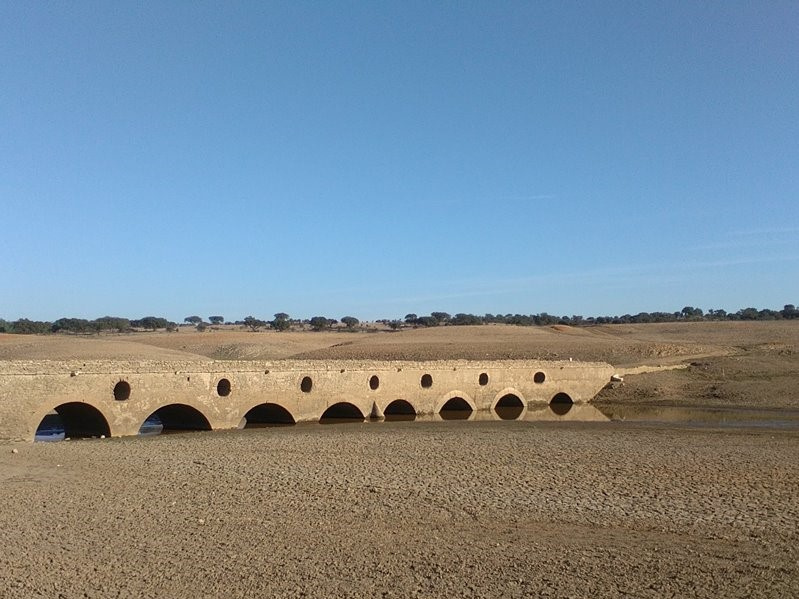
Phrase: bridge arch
(399, 409)
(342, 411)
(177, 417)
(561, 403)
(77, 419)
(509, 404)
(456, 405)
(507, 391)
(267, 414)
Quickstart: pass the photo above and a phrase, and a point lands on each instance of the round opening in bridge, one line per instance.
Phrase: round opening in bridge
(539, 377)
(399, 410)
(483, 378)
(561, 404)
(223, 388)
(174, 418)
(509, 407)
(456, 408)
(374, 382)
(427, 381)
(75, 420)
(306, 384)
(122, 391)
(266, 415)
(341, 412)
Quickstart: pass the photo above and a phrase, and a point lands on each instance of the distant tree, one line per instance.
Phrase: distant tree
(151, 323)
(747, 314)
(440, 317)
(544, 319)
(319, 323)
(202, 327)
(253, 323)
(350, 321)
(394, 324)
(216, 319)
(426, 321)
(282, 322)
(72, 325)
(767, 314)
(411, 318)
(23, 326)
(112, 323)
(691, 313)
(790, 311)
(193, 319)
(522, 320)
(465, 319)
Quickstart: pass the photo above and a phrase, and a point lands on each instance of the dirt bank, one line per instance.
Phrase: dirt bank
(753, 373)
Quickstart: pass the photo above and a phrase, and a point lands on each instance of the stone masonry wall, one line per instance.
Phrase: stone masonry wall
(29, 390)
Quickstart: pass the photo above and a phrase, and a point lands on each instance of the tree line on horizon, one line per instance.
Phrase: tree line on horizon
(283, 322)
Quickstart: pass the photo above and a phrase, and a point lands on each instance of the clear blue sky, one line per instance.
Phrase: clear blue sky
(380, 158)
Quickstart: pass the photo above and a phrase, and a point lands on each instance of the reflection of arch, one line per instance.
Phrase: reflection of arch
(503, 393)
(76, 419)
(561, 403)
(342, 411)
(266, 414)
(509, 407)
(177, 417)
(445, 398)
(456, 408)
(399, 409)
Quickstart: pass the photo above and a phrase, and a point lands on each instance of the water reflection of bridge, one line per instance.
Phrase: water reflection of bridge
(106, 398)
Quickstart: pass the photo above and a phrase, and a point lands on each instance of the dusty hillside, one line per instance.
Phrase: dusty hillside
(509, 342)
(617, 345)
(731, 363)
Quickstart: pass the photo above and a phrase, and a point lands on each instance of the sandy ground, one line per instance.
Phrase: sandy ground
(472, 509)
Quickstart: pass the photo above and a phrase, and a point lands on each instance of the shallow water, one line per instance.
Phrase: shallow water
(52, 428)
(710, 417)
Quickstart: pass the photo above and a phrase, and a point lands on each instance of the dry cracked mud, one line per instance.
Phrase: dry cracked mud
(469, 509)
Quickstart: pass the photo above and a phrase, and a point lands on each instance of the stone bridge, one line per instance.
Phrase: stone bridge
(114, 398)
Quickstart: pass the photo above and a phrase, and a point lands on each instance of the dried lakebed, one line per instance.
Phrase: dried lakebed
(428, 509)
